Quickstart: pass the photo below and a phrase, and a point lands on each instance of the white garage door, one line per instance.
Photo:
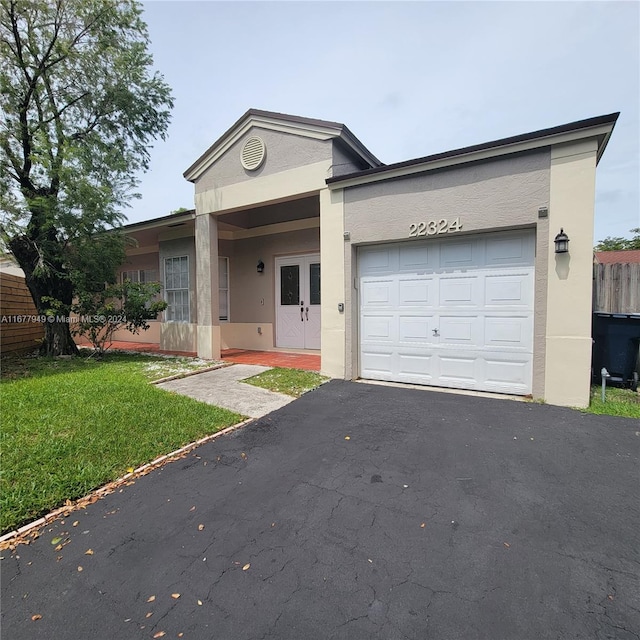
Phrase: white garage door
(450, 313)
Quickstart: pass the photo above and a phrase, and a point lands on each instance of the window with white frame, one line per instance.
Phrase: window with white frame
(140, 275)
(223, 288)
(176, 289)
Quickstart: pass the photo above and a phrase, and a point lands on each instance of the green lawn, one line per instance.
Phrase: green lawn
(292, 382)
(618, 402)
(69, 426)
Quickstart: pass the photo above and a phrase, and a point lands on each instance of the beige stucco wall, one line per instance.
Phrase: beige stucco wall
(332, 284)
(344, 162)
(141, 261)
(569, 286)
(150, 336)
(284, 151)
(252, 295)
(505, 193)
(247, 335)
(178, 336)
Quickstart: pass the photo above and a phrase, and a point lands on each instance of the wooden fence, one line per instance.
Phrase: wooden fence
(616, 288)
(16, 303)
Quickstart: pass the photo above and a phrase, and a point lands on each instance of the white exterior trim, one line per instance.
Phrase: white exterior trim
(474, 156)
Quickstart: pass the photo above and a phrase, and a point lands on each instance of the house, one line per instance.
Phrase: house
(625, 256)
(440, 270)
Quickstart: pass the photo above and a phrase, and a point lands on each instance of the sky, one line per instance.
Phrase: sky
(409, 79)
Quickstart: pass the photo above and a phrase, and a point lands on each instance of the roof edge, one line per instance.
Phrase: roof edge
(541, 134)
(331, 129)
(185, 216)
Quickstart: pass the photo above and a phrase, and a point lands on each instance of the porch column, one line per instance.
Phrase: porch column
(570, 280)
(208, 329)
(332, 285)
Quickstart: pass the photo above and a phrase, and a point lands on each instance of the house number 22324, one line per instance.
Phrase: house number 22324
(434, 227)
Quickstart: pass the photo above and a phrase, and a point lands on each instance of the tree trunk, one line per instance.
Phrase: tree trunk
(44, 284)
(58, 340)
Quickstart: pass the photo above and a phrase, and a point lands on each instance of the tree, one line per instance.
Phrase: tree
(80, 105)
(118, 306)
(620, 244)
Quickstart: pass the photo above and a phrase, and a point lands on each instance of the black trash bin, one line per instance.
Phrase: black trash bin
(616, 341)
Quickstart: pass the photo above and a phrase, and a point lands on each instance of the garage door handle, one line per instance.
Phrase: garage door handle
(301, 314)
(307, 313)
(435, 332)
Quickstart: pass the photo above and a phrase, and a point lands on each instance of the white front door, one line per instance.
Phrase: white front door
(298, 302)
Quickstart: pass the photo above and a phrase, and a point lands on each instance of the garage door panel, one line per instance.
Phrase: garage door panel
(450, 312)
(508, 332)
(418, 257)
(460, 291)
(416, 328)
(508, 290)
(377, 364)
(465, 330)
(503, 371)
(416, 367)
(378, 293)
(378, 328)
(421, 292)
(508, 251)
(458, 368)
(379, 260)
(458, 254)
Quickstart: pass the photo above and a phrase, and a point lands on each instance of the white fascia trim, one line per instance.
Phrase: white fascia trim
(484, 154)
(269, 230)
(154, 224)
(272, 124)
(140, 251)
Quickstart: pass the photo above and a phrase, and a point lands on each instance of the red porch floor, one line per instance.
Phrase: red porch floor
(308, 362)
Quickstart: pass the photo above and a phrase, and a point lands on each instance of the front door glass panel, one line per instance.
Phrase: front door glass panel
(290, 285)
(314, 283)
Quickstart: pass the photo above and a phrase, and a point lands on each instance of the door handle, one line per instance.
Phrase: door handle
(435, 333)
(307, 312)
(301, 314)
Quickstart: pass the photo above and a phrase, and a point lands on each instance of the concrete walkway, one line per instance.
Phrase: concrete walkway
(223, 388)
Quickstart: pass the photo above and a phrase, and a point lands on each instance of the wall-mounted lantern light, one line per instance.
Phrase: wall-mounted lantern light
(260, 267)
(562, 242)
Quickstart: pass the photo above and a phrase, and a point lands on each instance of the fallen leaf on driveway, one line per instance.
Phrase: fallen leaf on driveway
(88, 552)
(149, 614)
(199, 603)
(79, 568)
(151, 598)
(506, 544)
(175, 596)
(37, 616)
(192, 508)
(347, 437)
(76, 523)
(56, 540)
(423, 525)
(243, 455)
(159, 634)
(200, 527)
(246, 566)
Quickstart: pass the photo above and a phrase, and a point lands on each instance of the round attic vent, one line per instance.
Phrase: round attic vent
(253, 153)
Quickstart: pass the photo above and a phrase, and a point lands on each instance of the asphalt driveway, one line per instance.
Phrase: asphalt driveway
(356, 512)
